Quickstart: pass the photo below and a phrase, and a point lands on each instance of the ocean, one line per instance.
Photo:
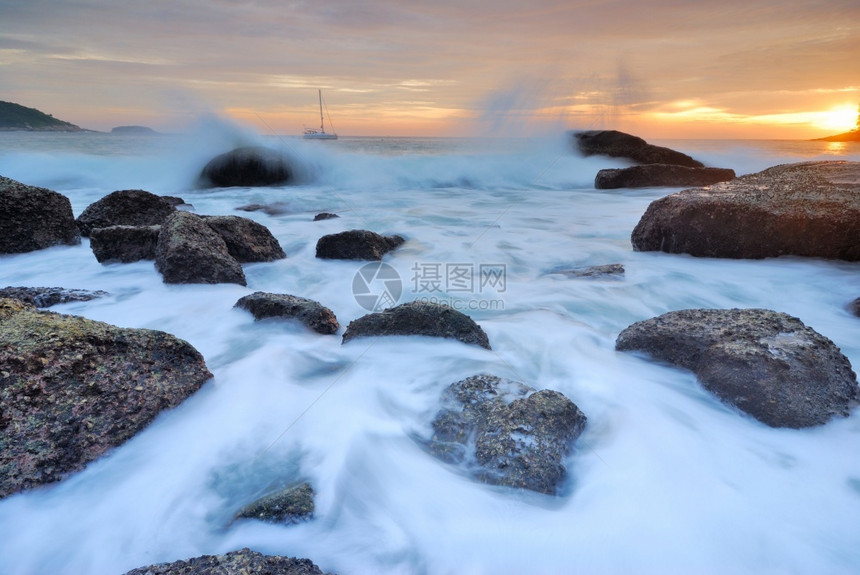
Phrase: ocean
(665, 479)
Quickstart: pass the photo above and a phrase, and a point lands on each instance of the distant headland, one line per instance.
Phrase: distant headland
(852, 136)
(14, 117)
(132, 130)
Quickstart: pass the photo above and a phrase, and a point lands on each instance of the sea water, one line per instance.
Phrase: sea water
(665, 478)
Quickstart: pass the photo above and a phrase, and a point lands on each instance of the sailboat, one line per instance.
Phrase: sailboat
(321, 134)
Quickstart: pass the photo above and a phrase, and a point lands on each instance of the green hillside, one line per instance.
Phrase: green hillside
(17, 117)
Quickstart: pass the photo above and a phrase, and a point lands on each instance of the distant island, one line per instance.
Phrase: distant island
(133, 130)
(14, 117)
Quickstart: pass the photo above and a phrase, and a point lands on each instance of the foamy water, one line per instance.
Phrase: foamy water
(665, 478)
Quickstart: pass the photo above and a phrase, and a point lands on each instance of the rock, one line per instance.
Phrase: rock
(621, 145)
(854, 306)
(136, 130)
(275, 209)
(249, 166)
(189, 251)
(291, 505)
(34, 218)
(660, 175)
(809, 209)
(48, 296)
(418, 318)
(608, 270)
(124, 244)
(125, 208)
(765, 363)
(356, 245)
(242, 562)
(311, 313)
(72, 388)
(325, 216)
(506, 433)
(247, 240)
(174, 201)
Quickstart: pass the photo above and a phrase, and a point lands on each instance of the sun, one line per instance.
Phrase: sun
(842, 118)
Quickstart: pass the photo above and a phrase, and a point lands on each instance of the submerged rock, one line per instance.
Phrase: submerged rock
(604, 271)
(247, 240)
(808, 209)
(325, 216)
(506, 433)
(419, 318)
(125, 244)
(125, 208)
(621, 145)
(660, 175)
(34, 218)
(249, 166)
(275, 209)
(854, 306)
(311, 313)
(291, 505)
(72, 388)
(48, 296)
(189, 251)
(767, 364)
(356, 245)
(242, 562)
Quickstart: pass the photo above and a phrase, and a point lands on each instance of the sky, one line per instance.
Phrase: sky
(656, 68)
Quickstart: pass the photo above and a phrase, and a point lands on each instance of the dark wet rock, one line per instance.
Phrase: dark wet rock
(291, 505)
(660, 175)
(767, 364)
(34, 218)
(506, 433)
(356, 245)
(174, 201)
(275, 209)
(48, 296)
(124, 244)
(854, 306)
(311, 313)
(325, 216)
(247, 240)
(189, 251)
(125, 208)
(809, 209)
(249, 166)
(72, 388)
(419, 318)
(608, 270)
(242, 562)
(621, 145)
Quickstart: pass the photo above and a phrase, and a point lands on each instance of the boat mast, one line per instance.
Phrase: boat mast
(322, 124)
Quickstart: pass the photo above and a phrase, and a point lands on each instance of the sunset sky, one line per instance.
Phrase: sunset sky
(658, 68)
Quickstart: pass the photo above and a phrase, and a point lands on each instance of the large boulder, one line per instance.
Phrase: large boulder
(124, 244)
(620, 145)
(660, 175)
(767, 364)
(125, 208)
(72, 388)
(248, 166)
(311, 313)
(49, 296)
(506, 433)
(294, 504)
(356, 245)
(247, 240)
(34, 218)
(419, 318)
(242, 562)
(808, 209)
(189, 251)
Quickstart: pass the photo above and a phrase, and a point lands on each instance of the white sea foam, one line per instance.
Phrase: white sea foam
(665, 479)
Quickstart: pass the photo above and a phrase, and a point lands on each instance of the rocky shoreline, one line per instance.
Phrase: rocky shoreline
(72, 389)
